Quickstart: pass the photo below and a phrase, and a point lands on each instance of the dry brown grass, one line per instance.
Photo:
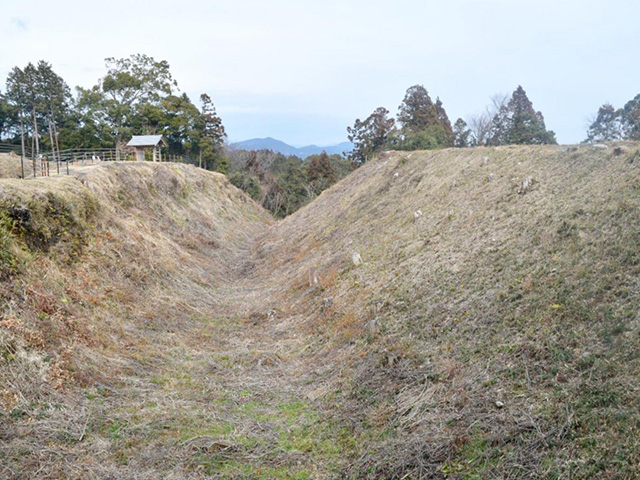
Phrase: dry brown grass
(106, 279)
(10, 166)
(518, 285)
(157, 324)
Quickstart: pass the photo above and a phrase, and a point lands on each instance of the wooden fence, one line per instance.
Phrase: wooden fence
(62, 162)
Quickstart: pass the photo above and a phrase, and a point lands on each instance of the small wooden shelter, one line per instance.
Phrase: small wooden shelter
(139, 143)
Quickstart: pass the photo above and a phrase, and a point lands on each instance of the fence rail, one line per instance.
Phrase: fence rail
(63, 161)
(12, 148)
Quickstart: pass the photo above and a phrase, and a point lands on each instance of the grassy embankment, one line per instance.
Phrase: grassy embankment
(156, 322)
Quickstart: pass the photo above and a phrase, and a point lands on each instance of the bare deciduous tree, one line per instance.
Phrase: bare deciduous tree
(481, 123)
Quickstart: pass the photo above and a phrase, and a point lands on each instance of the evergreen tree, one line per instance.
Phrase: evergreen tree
(7, 117)
(461, 134)
(417, 111)
(369, 136)
(213, 137)
(40, 99)
(55, 99)
(213, 127)
(283, 184)
(631, 119)
(425, 125)
(24, 94)
(443, 119)
(518, 123)
(526, 126)
(320, 172)
(179, 120)
(611, 124)
(92, 110)
(499, 127)
(607, 125)
(292, 179)
(429, 138)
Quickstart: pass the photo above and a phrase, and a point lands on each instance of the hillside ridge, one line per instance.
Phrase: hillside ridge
(489, 328)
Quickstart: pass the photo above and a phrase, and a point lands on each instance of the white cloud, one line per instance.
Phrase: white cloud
(19, 23)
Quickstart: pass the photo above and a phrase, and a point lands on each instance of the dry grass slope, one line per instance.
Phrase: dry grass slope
(492, 331)
(157, 324)
(115, 288)
(10, 166)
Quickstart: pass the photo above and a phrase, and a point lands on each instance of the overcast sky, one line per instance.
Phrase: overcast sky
(302, 71)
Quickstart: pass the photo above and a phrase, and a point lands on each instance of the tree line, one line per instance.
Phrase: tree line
(284, 183)
(423, 124)
(136, 95)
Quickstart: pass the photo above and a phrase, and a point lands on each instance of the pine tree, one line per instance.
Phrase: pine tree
(6, 117)
(24, 94)
(611, 124)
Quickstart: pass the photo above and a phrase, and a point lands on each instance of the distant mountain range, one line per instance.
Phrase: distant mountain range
(286, 149)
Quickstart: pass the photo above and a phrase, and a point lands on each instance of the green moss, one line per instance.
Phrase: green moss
(44, 223)
(8, 260)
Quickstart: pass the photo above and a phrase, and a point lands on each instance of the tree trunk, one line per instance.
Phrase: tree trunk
(53, 147)
(35, 132)
(33, 149)
(55, 136)
(22, 141)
